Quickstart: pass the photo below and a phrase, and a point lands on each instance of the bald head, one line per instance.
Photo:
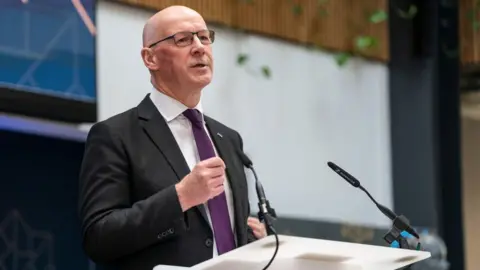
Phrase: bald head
(166, 22)
(180, 67)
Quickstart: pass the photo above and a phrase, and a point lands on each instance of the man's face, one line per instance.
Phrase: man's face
(181, 64)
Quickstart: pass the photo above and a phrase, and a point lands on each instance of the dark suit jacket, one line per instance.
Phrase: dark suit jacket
(130, 213)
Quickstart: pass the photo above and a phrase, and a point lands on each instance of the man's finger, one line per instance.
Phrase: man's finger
(255, 224)
(253, 220)
(217, 191)
(215, 172)
(214, 162)
(258, 228)
(259, 233)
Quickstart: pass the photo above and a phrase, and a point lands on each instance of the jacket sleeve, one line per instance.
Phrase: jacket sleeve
(112, 226)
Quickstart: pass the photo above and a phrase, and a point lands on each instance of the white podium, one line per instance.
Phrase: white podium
(307, 254)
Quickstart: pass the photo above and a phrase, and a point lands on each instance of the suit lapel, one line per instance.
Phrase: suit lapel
(158, 131)
(227, 152)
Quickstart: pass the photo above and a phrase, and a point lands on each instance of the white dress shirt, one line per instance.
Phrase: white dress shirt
(172, 111)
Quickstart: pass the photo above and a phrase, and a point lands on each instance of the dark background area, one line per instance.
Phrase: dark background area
(425, 120)
(38, 196)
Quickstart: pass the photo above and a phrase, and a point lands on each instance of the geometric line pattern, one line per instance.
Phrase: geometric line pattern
(59, 42)
(24, 248)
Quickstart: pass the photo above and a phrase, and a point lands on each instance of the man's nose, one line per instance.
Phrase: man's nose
(198, 46)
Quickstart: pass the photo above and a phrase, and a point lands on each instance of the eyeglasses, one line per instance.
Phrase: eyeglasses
(183, 39)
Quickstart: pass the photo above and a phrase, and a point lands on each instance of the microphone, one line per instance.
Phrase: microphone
(399, 222)
(265, 213)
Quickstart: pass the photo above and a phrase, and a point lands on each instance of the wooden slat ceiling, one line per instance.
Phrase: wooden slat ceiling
(329, 24)
(469, 24)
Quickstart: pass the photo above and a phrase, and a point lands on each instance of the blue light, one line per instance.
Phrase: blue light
(42, 128)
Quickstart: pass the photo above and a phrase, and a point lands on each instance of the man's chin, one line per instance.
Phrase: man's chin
(202, 81)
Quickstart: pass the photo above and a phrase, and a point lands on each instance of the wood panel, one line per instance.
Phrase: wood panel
(330, 24)
(469, 24)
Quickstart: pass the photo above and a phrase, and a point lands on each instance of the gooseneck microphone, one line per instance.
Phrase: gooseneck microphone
(399, 222)
(266, 213)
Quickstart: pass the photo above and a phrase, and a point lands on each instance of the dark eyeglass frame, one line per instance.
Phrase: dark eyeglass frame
(211, 32)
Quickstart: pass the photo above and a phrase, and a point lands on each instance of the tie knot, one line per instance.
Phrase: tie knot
(194, 116)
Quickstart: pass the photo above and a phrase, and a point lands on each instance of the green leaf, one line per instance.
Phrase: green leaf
(449, 52)
(471, 15)
(266, 71)
(297, 9)
(322, 12)
(315, 47)
(412, 11)
(476, 25)
(342, 58)
(242, 58)
(378, 16)
(365, 42)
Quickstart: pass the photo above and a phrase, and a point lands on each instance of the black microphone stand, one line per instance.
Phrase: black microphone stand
(400, 224)
(268, 219)
(266, 213)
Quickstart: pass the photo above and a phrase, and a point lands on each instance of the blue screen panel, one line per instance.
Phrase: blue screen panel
(48, 47)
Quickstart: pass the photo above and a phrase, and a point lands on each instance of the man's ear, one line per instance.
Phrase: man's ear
(148, 58)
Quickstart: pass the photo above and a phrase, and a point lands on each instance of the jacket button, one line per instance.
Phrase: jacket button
(208, 242)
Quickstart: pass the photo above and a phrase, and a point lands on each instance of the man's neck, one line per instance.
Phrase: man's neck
(189, 99)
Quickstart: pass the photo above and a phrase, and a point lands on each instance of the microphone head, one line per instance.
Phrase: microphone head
(332, 165)
(350, 179)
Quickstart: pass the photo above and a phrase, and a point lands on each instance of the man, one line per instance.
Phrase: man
(161, 183)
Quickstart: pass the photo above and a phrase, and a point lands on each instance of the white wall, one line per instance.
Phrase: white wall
(308, 113)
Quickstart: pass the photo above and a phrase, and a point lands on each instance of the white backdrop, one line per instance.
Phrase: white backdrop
(308, 113)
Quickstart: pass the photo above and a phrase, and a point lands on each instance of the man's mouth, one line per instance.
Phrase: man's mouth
(199, 65)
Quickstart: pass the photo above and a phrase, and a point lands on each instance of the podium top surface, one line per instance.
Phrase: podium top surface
(314, 252)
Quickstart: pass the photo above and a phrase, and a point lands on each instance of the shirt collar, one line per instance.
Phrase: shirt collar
(169, 107)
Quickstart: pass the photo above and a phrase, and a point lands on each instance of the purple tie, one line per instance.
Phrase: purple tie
(222, 227)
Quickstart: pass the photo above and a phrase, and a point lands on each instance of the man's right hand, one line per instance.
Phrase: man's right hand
(204, 182)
